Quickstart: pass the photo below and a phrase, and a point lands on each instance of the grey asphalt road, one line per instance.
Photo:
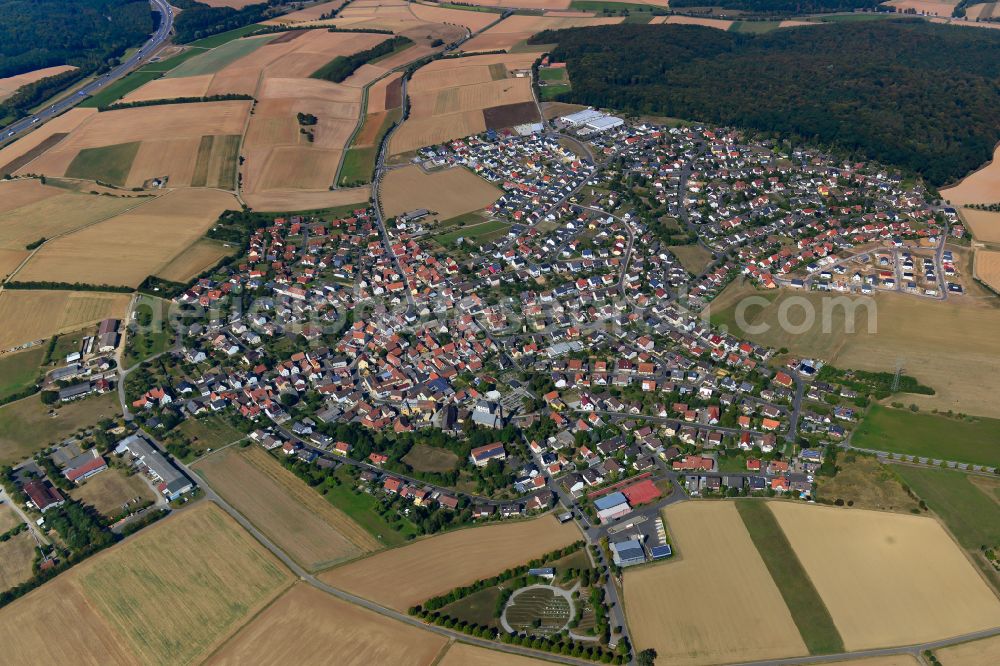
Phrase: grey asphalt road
(138, 58)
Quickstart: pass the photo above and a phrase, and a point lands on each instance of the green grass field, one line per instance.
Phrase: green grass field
(359, 161)
(120, 88)
(552, 74)
(108, 164)
(211, 61)
(209, 432)
(223, 37)
(19, 371)
(968, 511)
(479, 233)
(27, 427)
(551, 92)
(477, 607)
(151, 313)
(613, 7)
(363, 509)
(902, 431)
(358, 166)
(806, 606)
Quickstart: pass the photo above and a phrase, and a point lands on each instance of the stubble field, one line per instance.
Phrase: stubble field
(168, 596)
(173, 132)
(296, 517)
(986, 651)
(463, 654)
(988, 267)
(308, 626)
(16, 556)
(31, 211)
(23, 151)
(519, 27)
(445, 193)
(952, 346)
(887, 579)
(138, 243)
(717, 603)
(408, 575)
(984, 224)
(449, 97)
(32, 315)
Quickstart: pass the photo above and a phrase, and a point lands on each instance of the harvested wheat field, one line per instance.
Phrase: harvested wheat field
(62, 212)
(16, 556)
(23, 151)
(718, 603)
(177, 128)
(164, 88)
(296, 200)
(983, 10)
(10, 85)
(888, 579)
(169, 595)
(719, 24)
(519, 27)
(463, 654)
(197, 573)
(405, 576)
(982, 186)
(524, 4)
(293, 515)
(474, 21)
(914, 329)
(445, 193)
(17, 193)
(889, 660)
(308, 626)
(929, 7)
(385, 94)
(26, 628)
(448, 98)
(142, 241)
(988, 268)
(986, 651)
(32, 315)
(202, 255)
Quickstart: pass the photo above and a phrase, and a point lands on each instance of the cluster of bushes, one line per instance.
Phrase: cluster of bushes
(877, 384)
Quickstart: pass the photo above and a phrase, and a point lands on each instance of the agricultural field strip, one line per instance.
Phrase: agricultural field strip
(805, 604)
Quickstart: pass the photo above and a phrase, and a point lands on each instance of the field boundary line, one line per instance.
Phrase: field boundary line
(292, 582)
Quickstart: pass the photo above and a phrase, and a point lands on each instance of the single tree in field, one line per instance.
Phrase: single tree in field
(647, 657)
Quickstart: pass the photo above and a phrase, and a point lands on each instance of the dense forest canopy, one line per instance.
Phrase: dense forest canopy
(199, 20)
(925, 97)
(780, 6)
(85, 33)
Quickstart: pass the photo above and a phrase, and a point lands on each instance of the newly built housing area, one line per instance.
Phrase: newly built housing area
(170, 481)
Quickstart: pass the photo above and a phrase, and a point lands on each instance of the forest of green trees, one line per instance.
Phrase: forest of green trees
(780, 6)
(198, 20)
(85, 33)
(914, 94)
